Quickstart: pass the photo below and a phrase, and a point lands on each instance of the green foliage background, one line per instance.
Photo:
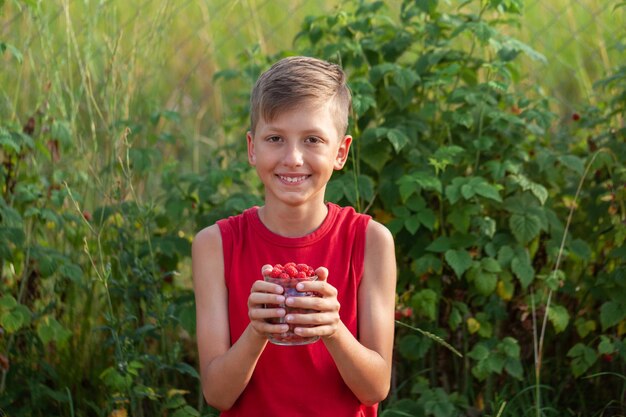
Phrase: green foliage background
(508, 215)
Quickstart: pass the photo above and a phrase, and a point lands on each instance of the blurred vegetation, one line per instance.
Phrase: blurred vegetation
(121, 134)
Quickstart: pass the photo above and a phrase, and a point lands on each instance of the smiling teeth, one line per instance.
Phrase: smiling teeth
(293, 179)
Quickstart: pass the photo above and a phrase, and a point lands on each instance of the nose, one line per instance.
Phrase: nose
(293, 156)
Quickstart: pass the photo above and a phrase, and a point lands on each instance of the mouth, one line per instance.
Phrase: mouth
(292, 179)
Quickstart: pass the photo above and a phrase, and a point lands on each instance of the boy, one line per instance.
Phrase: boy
(299, 117)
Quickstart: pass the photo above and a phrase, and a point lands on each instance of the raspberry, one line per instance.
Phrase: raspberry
(291, 270)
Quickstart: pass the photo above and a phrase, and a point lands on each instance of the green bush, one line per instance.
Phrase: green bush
(509, 223)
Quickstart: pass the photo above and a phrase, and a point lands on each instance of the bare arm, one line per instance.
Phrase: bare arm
(364, 364)
(226, 370)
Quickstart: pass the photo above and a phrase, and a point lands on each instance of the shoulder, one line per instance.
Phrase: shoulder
(377, 236)
(207, 238)
(207, 259)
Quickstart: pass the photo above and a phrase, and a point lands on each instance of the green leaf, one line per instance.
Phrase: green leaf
(584, 327)
(463, 118)
(488, 191)
(9, 144)
(414, 347)
(559, 317)
(581, 249)
(376, 154)
(523, 270)
(185, 368)
(441, 244)
(175, 401)
(114, 379)
(524, 227)
(426, 264)
(397, 138)
(11, 321)
(450, 154)
(511, 44)
(514, 368)
(427, 181)
(366, 187)
(459, 259)
(50, 330)
(186, 411)
(424, 303)
(455, 318)
(428, 218)
(505, 255)
(574, 163)
(479, 352)
(460, 218)
(490, 265)
(538, 190)
(583, 357)
(453, 191)
(495, 363)
(71, 271)
(605, 347)
(427, 6)
(7, 302)
(611, 314)
(405, 78)
(485, 282)
(510, 347)
(411, 224)
(437, 404)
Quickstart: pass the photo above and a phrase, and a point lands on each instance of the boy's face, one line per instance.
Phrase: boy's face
(296, 154)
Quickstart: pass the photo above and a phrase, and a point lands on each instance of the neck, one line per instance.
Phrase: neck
(291, 221)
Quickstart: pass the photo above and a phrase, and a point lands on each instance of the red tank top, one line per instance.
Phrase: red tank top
(294, 381)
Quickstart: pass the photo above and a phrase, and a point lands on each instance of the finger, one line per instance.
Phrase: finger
(321, 331)
(312, 319)
(312, 303)
(322, 273)
(266, 313)
(266, 328)
(266, 287)
(323, 288)
(257, 298)
(266, 269)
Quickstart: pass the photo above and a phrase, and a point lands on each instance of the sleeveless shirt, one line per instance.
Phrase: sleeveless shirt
(295, 381)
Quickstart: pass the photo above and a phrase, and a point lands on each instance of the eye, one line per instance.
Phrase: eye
(313, 140)
(273, 139)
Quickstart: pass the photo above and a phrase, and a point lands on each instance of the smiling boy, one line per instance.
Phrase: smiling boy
(297, 139)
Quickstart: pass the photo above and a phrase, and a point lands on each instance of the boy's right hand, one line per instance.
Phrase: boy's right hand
(263, 303)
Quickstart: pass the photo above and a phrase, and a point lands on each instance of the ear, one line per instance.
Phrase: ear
(343, 152)
(251, 151)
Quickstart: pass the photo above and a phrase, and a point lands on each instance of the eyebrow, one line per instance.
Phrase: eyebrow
(313, 131)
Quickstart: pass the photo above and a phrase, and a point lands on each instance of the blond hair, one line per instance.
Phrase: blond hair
(299, 80)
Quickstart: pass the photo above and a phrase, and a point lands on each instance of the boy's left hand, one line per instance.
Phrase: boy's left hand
(325, 321)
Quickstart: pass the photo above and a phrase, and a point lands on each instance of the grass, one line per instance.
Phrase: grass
(578, 40)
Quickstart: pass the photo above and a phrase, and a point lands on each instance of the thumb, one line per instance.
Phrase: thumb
(266, 269)
(322, 273)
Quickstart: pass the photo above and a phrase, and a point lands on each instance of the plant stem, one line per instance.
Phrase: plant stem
(539, 350)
